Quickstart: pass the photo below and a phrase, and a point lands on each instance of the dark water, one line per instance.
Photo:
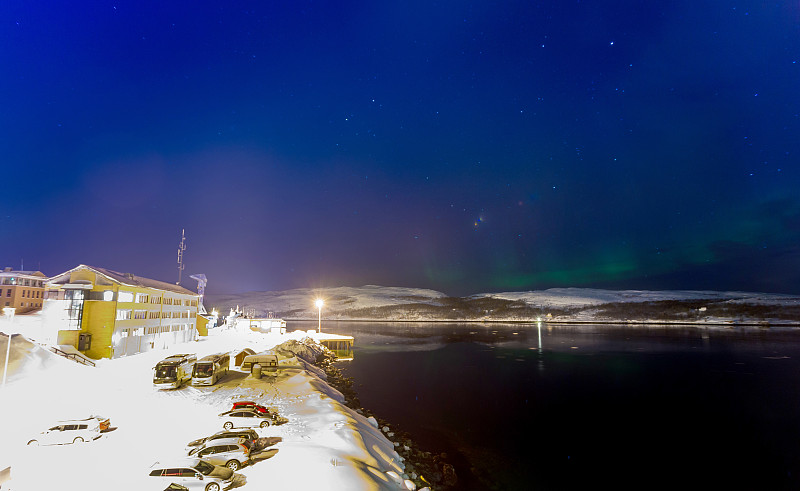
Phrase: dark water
(516, 407)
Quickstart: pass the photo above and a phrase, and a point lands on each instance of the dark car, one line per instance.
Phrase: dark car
(243, 433)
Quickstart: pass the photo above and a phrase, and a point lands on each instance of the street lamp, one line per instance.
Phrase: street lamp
(319, 303)
(9, 313)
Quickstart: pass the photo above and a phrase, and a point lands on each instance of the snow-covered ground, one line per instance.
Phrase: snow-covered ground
(325, 446)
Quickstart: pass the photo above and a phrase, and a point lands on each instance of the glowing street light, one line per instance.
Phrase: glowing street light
(319, 303)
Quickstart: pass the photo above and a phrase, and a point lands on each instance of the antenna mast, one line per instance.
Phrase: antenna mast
(181, 248)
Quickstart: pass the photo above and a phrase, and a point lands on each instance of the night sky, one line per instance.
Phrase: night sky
(458, 145)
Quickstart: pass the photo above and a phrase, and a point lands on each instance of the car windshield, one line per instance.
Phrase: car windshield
(165, 371)
(204, 468)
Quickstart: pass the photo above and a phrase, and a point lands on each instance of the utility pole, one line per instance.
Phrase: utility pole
(181, 248)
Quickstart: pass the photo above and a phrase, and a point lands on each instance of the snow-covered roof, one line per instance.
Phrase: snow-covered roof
(36, 274)
(128, 279)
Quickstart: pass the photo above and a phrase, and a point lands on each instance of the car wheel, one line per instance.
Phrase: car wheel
(264, 424)
(33, 443)
(77, 440)
(228, 425)
(212, 486)
(233, 465)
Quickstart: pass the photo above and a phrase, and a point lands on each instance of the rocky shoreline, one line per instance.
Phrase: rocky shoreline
(425, 469)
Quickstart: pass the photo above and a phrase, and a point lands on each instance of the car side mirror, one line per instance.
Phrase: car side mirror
(198, 475)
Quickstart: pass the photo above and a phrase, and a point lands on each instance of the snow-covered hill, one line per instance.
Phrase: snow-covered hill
(557, 304)
(299, 303)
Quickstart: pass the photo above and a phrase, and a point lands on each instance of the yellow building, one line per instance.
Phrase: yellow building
(21, 290)
(107, 314)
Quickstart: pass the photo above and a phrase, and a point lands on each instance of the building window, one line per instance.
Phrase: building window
(8, 293)
(123, 314)
(125, 296)
(140, 314)
(142, 297)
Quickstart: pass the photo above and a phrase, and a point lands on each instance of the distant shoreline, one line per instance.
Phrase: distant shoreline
(764, 324)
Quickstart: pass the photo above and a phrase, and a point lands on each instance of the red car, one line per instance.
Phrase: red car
(250, 405)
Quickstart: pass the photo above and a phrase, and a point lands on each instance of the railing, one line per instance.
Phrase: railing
(72, 356)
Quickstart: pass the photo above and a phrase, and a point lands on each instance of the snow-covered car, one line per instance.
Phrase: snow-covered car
(230, 452)
(72, 431)
(244, 418)
(105, 423)
(193, 474)
(250, 434)
(175, 487)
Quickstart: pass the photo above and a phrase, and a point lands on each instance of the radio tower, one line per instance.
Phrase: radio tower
(181, 248)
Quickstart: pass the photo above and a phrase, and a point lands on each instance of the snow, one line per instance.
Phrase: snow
(579, 297)
(352, 303)
(325, 444)
(301, 301)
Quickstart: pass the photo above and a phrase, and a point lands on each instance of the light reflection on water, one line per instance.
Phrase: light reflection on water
(560, 407)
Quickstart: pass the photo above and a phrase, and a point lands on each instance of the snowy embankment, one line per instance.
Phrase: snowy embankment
(325, 445)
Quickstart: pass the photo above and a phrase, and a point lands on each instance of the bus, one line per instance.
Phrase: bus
(173, 371)
(210, 369)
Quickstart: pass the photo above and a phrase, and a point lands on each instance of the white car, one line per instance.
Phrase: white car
(193, 474)
(74, 431)
(230, 452)
(244, 418)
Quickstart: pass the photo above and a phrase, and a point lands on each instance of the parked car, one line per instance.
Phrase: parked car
(105, 423)
(249, 405)
(193, 474)
(250, 434)
(175, 487)
(230, 452)
(71, 431)
(244, 418)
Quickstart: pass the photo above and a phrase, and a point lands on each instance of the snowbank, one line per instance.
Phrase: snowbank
(325, 444)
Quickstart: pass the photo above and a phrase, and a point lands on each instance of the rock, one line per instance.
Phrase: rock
(385, 429)
(410, 486)
(394, 477)
(373, 421)
(449, 475)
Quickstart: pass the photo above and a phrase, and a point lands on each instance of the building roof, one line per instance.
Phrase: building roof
(131, 279)
(9, 272)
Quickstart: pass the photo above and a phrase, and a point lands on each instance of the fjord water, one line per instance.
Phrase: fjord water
(567, 407)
